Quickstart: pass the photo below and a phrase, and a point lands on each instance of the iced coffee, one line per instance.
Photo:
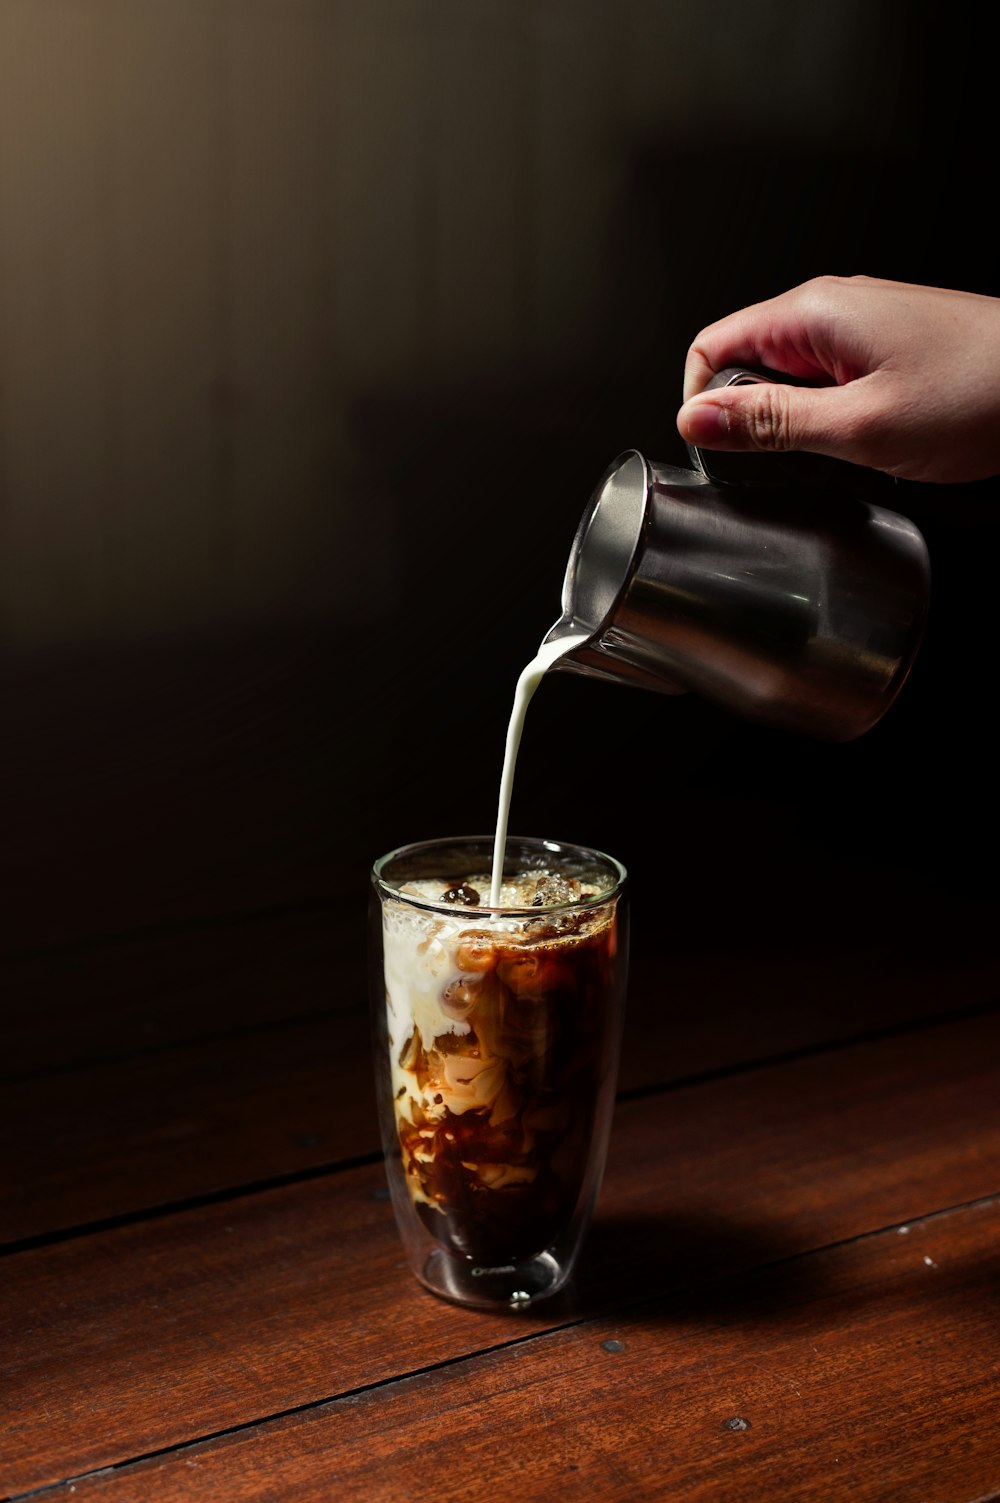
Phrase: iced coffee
(501, 1031)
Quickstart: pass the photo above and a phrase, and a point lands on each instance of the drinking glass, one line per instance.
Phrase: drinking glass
(497, 1034)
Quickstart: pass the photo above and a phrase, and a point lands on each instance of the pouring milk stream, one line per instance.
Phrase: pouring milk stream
(548, 653)
(796, 604)
(794, 609)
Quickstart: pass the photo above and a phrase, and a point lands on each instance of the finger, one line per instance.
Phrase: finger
(750, 337)
(698, 371)
(791, 333)
(771, 418)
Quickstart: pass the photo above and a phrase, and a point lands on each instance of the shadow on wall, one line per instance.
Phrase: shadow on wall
(409, 204)
(304, 386)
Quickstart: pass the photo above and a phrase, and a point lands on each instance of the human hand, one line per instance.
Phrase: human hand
(912, 378)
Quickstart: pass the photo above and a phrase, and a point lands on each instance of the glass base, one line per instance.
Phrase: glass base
(515, 1286)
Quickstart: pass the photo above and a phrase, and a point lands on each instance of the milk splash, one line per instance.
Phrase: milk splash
(549, 653)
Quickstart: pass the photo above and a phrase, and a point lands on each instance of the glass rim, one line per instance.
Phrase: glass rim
(558, 847)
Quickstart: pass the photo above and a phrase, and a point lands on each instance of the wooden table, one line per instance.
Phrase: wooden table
(791, 1288)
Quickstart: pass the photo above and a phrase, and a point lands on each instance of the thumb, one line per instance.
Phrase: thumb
(765, 416)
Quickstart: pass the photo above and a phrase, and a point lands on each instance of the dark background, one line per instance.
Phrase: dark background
(318, 323)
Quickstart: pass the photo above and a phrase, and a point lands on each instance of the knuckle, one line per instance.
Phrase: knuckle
(824, 296)
(820, 293)
(770, 419)
(818, 287)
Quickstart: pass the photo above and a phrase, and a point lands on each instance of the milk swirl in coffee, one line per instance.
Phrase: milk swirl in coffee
(498, 1036)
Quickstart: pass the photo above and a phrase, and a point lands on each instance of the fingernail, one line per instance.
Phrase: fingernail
(706, 423)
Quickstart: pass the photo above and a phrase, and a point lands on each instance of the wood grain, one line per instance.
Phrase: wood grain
(187, 1061)
(121, 1139)
(174, 782)
(150, 1335)
(866, 1371)
(92, 1005)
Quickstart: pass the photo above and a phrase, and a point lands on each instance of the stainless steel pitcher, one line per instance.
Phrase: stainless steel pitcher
(780, 593)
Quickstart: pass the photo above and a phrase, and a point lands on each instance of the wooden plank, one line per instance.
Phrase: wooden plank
(181, 780)
(478, 202)
(105, 301)
(574, 99)
(866, 1371)
(149, 1335)
(163, 346)
(871, 947)
(122, 1139)
(55, 297)
(701, 1000)
(288, 549)
(89, 1006)
(149, 1058)
(379, 194)
(141, 803)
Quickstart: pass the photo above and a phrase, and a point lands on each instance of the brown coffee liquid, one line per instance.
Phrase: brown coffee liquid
(496, 1183)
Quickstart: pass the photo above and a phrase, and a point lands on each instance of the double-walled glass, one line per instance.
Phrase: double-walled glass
(497, 1034)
